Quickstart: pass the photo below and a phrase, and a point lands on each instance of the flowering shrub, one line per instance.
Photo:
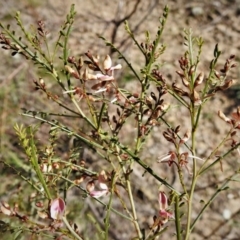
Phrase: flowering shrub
(90, 85)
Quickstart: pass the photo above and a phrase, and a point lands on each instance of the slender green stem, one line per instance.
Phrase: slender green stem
(194, 122)
(71, 230)
(194, 173)
(127, 28)
(177, 218)
(214, 151)
(37, 188)
(25, 48)
(100, 116)
(95, 144)
(87, 193)
(189, 213)
(145, 82)
(82, 114)
(34, 160)
(148, 169)
(135, 220)
(219, 190)
(172, 93)
(190, 47)
(180, 174)
(29, 37)
(109, 205)
(69, 23)
(130, 196)
(218, 159)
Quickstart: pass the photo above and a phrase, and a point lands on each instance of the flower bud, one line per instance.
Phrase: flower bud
(69, 69)
(79, 180)
(72, 72)
(42, 215)
(223, 117)
(186, 136)
(39, 204)
(185, 82)
(5, 209)
(55, 165)
(163, 201)
(41, 81)
(90, 186)
(196, 98)
(107, 63)
(180, 74)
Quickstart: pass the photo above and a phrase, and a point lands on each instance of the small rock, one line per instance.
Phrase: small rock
(197, 11)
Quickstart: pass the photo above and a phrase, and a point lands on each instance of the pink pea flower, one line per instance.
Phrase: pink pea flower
(164, 213)
(109, 71)
(57, 208)
(101, 186)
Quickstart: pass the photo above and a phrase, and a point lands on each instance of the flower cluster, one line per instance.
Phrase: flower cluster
(103, 71)
(100, 188)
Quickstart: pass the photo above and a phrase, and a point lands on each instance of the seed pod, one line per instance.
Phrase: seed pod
(217, 75)
(196, 98)
(179, 90)
(180, 74)
(225, 86)
(199, 79)
(168, 137)
(185, 82)
(191, 70)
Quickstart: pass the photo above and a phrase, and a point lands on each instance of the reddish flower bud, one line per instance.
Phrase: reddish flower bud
(163, 201)
(186, 137)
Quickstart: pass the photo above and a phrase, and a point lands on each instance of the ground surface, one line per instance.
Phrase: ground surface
(214, 21)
